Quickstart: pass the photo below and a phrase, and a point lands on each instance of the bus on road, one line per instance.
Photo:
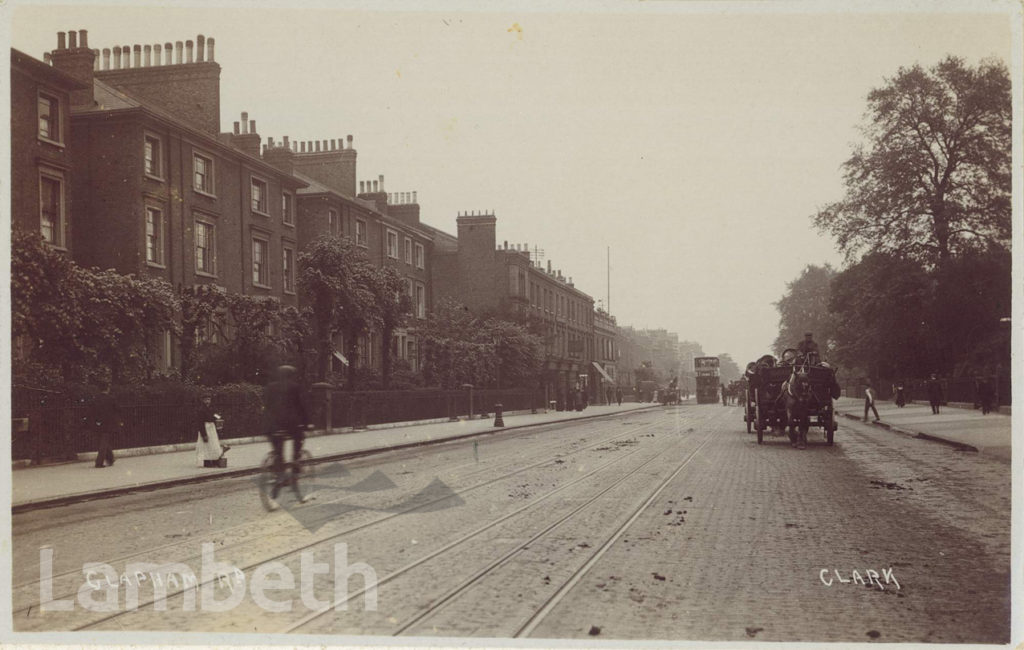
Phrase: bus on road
(706, 369)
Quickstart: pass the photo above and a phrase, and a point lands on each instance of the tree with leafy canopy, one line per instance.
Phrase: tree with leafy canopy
(392, 305)
(199, 305)
(94, 325)
(804, 308)
(882, 317)
(933, 179)
(335, 280)
(453, 352)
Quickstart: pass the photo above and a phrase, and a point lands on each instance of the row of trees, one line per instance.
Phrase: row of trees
(925, 230)
(79, 325)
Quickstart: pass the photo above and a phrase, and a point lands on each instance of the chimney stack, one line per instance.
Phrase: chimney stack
(77, 61)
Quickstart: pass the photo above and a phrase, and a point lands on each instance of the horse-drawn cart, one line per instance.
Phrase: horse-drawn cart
(793, 395)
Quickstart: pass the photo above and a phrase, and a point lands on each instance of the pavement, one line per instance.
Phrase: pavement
(963, 428)
(43, 486)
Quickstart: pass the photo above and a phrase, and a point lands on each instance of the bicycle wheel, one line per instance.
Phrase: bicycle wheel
(266, 481)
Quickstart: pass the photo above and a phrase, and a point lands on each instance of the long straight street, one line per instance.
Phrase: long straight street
(671, 524)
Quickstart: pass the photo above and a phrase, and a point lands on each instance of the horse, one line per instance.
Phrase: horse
(798, 403)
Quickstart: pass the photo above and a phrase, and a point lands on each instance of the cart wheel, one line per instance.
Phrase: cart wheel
(757, 415)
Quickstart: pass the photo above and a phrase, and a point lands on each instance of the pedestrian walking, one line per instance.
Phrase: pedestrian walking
(725, 395)
(208, 446)
(618, 395)
(934, 393)
(985, 394)
(608, 395)
(869, 402)
(104, 418)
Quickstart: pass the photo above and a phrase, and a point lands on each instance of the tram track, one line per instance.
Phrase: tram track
(443, 600)
(559, 446)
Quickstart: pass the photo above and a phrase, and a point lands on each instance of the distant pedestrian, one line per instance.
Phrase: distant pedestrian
(618, 395)
(104, 418)
(725, 395)
(608, 395)
(208, 446)
(985, 394)
(899, 394)
(934, 393)
(869, 402)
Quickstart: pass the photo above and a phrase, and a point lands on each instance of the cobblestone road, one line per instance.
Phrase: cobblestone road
(878, 538)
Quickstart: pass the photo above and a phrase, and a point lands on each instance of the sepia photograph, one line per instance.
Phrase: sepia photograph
(544, 324)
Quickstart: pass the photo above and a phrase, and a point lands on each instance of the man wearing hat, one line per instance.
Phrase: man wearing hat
(807, 345)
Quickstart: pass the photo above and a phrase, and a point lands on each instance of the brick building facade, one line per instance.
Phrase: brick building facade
(490, 278)
(118, 156)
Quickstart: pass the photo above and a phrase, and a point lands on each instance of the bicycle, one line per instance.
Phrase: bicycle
(270, 482)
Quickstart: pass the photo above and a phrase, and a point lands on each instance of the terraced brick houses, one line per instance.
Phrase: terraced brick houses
(118, 158)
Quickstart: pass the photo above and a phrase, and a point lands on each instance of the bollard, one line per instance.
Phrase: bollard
(498, 420)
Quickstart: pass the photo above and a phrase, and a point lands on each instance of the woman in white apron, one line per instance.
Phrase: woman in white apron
(208, 447)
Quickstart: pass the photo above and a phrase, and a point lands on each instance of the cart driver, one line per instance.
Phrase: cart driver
(808, 345)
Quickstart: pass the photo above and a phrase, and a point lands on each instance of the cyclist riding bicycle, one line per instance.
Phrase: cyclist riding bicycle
(285, 415)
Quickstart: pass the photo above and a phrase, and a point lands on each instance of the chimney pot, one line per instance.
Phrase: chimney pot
(302, 147)
(72, 40)
(374, 187)
(349, 139)
(334, 144)
(245, 122)
(179, 49)
(117, 57)
(362, 187)
(264, 150)
(188, 50)
(61, 41)
(270, 142)
(200, 46)
(149, 55)
(414, 196)
(126, 56)
(138, 56)
(83, 38)
(318, 146)
(106, 58)
(237, 131)
(286, 141)
(47, 58)
(168, 53)
(252, 126)
(209, 49)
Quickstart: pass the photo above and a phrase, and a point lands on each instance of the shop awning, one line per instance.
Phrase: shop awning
(341, 357)
(603, 373)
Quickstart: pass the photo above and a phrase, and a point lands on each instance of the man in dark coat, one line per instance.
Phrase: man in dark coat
(104, 418)
(284, 411)
(934, 393)
(986, 394)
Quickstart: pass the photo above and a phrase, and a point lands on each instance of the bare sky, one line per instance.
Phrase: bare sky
(695, 140)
